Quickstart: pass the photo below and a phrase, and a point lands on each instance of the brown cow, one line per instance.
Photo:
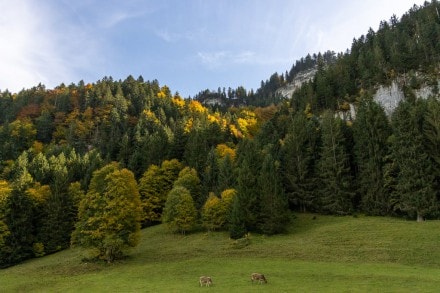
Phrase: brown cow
(207, 281)
(258, 277)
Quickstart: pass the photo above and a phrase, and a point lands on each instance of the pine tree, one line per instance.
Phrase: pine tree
(431, 131)
(299, 148)
(415, 177)
(371, 132)
(237, 228)
(210, 173)
(226, 175)
(196, 149)
(334, 168)
(273, 217)
(19, 219)
(246, 207)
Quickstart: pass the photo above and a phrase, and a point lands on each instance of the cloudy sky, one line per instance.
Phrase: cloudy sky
(189, 45)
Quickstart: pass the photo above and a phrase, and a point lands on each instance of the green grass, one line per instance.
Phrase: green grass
(328, 254)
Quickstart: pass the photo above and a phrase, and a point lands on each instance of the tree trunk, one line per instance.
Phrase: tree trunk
(420, 217)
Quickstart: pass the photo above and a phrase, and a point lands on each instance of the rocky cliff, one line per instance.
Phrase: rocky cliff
(390, 96)
(298, 80)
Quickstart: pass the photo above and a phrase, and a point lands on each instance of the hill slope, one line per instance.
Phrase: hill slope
(322, 254)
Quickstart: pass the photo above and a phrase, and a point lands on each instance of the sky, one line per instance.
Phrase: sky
(188, 45)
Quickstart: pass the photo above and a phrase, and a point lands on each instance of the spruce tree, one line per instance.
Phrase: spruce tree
(19, 219)
(246, 203)
(237, 228)
(334, 168)
(371, 131)
(273, 216)
(210, 173)
(299, 148)
(431, 133)
(415, 178)
(226, 174)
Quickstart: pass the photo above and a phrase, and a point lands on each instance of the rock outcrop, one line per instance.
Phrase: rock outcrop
(390, 96)
(297, 82)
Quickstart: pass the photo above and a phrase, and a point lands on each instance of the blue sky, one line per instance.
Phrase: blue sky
(189, 45)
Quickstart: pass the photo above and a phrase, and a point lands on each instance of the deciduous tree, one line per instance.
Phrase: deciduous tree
(179, 213)
(109, 215)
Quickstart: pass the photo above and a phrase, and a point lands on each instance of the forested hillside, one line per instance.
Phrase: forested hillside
(89, 164)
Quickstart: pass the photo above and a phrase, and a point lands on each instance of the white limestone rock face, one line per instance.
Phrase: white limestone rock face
(425, 92)
(297, 82)
(389, 97)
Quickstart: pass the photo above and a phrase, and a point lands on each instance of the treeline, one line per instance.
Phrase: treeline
(266, 94)
(399, 48)
(54, 140)
(402, 47)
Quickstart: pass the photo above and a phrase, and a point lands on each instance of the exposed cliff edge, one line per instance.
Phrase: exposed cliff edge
(296, 83)
(390, 96)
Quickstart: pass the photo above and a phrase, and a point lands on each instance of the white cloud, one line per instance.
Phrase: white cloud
(114, 18)
(23, 42)
(213, 59)
(218, 59)
(244, 57)
(36, 46)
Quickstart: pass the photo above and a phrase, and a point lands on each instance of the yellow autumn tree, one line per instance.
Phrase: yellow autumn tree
(180, 214)
(212, 218)
(216, 210)
(197, 107)
(223, 150)
(109, 215)
(5, 191)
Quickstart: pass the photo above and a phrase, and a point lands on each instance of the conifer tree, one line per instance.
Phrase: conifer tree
(237, 228)
(196, 149)
(210, 173)
(415, 178)
(19, 219)
(334, 168)
(226, 175)
(299, 148)
(246, 206)
(431, 131)
(371, 132)
(273, 216)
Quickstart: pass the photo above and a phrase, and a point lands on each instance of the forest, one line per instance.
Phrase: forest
(91, 164)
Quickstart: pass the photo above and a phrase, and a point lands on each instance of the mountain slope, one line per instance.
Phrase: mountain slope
(320, 253)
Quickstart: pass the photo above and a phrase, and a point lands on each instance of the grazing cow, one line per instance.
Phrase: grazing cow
(207, 281)
(258, 277)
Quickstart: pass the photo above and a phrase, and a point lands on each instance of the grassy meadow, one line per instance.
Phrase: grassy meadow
(326, 254)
